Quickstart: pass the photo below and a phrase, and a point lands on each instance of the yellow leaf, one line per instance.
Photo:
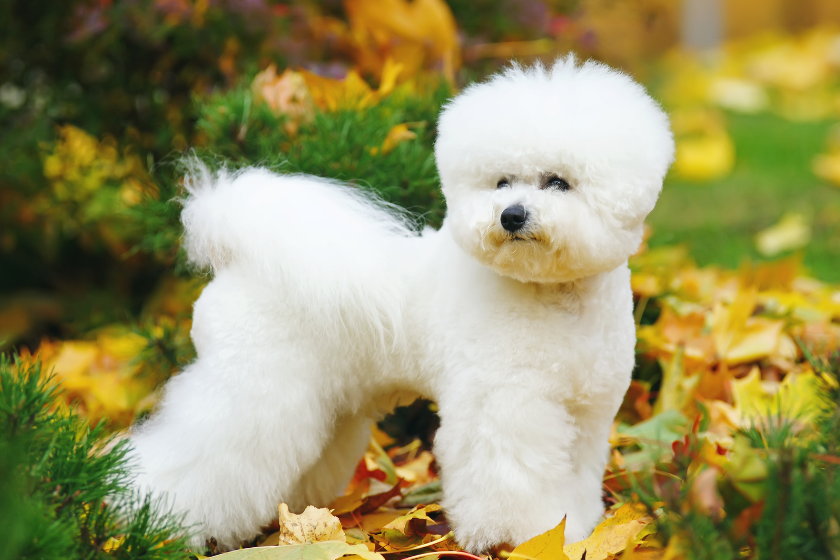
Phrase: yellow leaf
(377, 458)
(672, 395)
(421, 34)
(798, 396)
(802, 396)
(548, 546)
(113, 543)
(643, 553)
(825, 166)
(747, 470)
(401, 523)
(612, 535)
(704, 149)
(417, 470)
(399, 133)
(758, 339)
(727, 321)
(330, 94)
(737, 94)
(313, 525)
(791, 232)
(388, 81)
(705, 158)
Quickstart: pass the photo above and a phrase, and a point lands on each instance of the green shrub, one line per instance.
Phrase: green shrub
(63, 485)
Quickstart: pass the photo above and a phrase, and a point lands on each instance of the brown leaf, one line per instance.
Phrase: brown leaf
(704, 495)
(359, 502)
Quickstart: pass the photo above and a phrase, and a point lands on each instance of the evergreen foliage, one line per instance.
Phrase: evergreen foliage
(343, 144)
(63, 484)
(796, 485)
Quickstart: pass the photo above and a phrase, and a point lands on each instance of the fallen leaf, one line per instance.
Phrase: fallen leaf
(425, 494)
(792, 231)
(827, 166)
(548, 546)
(705, 157)
(396, 135)
(704, 150)
(747, 471)
(704, 496)
(313, 525)
(324, 550)
(419, 35)
(359, 501)
(408, 531)
(417, 470)
(285, 93)
(612, 535)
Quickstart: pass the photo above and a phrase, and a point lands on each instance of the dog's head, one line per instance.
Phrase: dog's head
(549, 173)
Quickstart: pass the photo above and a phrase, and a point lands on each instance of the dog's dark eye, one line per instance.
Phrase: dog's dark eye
(502, 184)
(558, 183)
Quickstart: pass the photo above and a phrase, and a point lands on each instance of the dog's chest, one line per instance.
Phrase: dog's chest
(575, 344)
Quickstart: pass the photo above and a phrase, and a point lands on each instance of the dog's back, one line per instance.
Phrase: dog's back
(325, 247)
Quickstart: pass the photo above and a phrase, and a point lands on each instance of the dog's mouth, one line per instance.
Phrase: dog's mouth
(521, 237)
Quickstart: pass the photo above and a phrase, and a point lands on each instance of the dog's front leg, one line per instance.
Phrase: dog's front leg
(507, 460)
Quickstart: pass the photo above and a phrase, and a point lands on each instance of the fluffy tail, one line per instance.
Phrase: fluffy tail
(326, 246)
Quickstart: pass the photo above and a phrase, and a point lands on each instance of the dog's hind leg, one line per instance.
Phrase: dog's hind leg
(226, 453)
(236, 430)
(328, 478)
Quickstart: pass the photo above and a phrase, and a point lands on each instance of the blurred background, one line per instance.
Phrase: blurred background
(99, 99)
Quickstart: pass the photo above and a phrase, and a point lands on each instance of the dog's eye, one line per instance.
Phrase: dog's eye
(557, 183)
(502, 184)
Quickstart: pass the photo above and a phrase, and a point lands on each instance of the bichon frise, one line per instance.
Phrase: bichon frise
(516, 317)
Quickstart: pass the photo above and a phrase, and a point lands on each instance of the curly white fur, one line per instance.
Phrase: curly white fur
(324, 303)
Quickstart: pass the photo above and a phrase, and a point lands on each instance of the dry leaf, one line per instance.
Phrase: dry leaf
(791, 232)
(313, 525)
(325, 550)
(827, 166)
(612, 535)
(548, 546)
(704, 495)
(705, 157)
(419, 35)
(396, 135)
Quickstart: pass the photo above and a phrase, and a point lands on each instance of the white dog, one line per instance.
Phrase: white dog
(516, 317)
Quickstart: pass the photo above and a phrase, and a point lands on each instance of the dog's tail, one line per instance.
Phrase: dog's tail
(328, 247)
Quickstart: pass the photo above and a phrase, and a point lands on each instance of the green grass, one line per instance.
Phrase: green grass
(719, 219)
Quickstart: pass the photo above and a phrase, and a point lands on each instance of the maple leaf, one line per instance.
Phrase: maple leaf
(417, 35)
(284, 94)
(547, 546)
(612, 535)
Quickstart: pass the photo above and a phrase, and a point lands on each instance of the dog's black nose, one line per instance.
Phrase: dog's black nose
(514, 217)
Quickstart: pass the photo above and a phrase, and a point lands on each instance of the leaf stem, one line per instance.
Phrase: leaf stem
(445, 537)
